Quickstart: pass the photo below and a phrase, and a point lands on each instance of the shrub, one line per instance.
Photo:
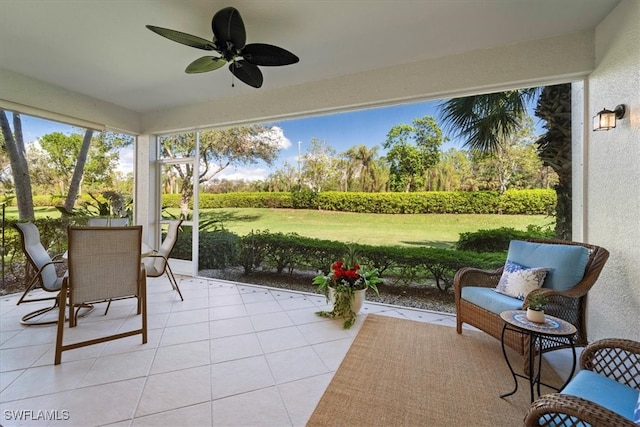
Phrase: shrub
(497, 240)
(512, 202)
(218, 249)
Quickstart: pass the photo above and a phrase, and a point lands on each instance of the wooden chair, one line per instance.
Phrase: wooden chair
(569, 305)
(616, 363)
(104, 265)
(157, 262)
(40, 271)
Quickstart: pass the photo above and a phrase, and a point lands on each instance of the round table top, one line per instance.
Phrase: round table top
(551, 326)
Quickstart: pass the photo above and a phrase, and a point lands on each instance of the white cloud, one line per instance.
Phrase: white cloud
(246, 173)
(125, 163)
(277, 138)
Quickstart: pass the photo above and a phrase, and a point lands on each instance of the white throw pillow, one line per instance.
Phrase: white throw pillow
(517, 280)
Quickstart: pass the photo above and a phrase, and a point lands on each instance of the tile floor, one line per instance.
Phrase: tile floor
(230, 354)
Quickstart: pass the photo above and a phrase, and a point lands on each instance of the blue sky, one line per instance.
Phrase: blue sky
(341, 131)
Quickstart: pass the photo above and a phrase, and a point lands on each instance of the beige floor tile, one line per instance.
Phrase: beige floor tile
(294, 303)
(301, 397)
(285, 365)
(224, 300)
(119, 367)
(281, 339)
(321, 332)
(185, 333)
(240, 376)
(176, 389)
(235, 347)
(178, 318)
(263, 307)
(332, 352)
(49, 379)
(227, 312)
(229, 327)
(102, 404)
(21, 357)
(192, 416)
(29, 412)
(181, 356)
(267, 409)
(263, 322)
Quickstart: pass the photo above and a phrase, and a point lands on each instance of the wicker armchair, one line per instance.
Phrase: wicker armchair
(617, 359)
(569, 305)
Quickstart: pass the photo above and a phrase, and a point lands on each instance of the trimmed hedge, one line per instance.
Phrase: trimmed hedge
(512, 202)
(497, 240)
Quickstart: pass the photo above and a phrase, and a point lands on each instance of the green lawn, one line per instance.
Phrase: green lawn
(373, 229)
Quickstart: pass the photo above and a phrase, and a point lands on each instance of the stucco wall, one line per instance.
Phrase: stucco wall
(612, 214)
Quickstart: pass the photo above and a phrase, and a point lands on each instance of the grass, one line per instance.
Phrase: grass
(440, 231)
(373, 229)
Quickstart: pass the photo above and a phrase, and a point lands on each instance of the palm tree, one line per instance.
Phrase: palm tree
(362, 159)
(482, 121)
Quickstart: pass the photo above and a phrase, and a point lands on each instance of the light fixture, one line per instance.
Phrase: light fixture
(606, 119)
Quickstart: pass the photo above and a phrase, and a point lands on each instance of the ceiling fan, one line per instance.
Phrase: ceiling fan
(229, 42)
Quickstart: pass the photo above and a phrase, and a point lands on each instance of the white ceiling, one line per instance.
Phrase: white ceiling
(101, 48)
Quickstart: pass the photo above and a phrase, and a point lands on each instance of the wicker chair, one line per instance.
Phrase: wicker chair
(617, 359)
(569, 305)
(104, 265)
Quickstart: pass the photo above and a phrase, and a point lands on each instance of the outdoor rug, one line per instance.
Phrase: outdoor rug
(404, 373)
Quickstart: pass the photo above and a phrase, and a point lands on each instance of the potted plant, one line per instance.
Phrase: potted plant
(345, 287)
(535, 307)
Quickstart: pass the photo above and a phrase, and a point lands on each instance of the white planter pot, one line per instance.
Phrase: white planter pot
(535, 316)
(356, 303)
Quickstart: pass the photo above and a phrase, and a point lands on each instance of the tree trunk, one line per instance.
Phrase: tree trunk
(554, 149)
(74, 186)
(19, 167)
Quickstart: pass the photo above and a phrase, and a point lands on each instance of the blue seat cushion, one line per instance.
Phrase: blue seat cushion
(489, 299)
(566, 263)
(604, 391)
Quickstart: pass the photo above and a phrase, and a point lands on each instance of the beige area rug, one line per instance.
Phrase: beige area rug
(404, 373)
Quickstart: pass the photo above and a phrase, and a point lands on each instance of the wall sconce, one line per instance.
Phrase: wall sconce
(606, 119)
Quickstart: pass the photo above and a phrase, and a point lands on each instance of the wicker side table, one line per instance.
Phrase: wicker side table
(553, 329)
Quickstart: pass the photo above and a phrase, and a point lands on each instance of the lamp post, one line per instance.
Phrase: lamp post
(299, 159)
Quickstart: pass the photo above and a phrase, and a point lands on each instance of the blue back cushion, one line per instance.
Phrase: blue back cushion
(567, 263)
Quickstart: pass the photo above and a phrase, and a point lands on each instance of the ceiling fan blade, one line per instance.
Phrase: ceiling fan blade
(228, 28)
(269, 55)
(248, 73)
(183, 38)
(204, 64)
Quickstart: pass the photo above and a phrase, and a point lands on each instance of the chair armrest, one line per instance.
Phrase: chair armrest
(557, 408)
(52, 262)
(470, 276)
(155, 254)
(59, 257)
(614, 358)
